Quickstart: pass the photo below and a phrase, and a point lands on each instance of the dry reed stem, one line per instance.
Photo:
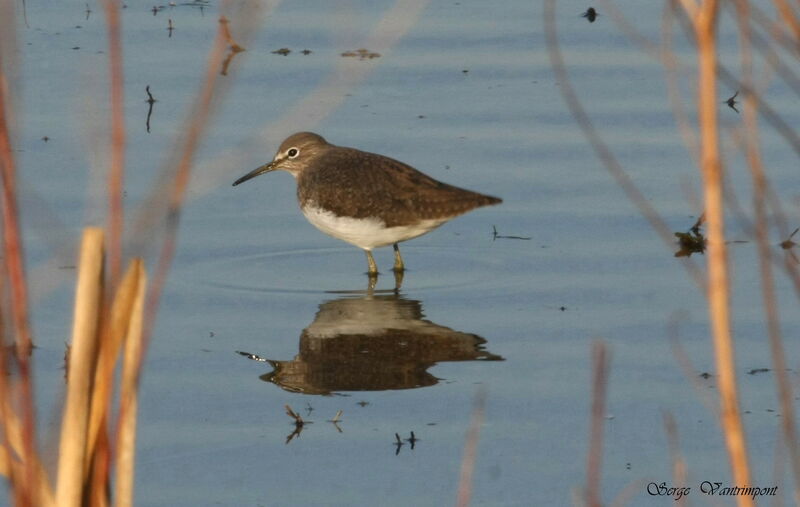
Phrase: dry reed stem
(594, 459)
(671, 65)
(775, 29)
(761, 230)
(631, 490)
(704, 17)
(782, 128)
(689, 371)
(126, 432)
(116, 172)
(7, 415)
(195, 128)
(765, 110)
(788, 16)
(88, 300)
(776, 65)
(13, 431)
(679, 475)
(471, 450)
(113, 335)
(600, 148)
(670, 62)
(28, 480)
(14, 271)
(718, 288)
(307, 112)
(98, 487)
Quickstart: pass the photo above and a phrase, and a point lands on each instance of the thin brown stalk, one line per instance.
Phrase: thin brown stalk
(13, 432)
(15, 274)
(600, 148)
(310, 110)
(788, 16)
(116, 328)
(88, 301)
(629, 29)
(195, 128)
(671, 63)
(633, 489)
(116, 172)
(775, 29)
(98, 484)
(594, 459)
(471, 450)
(785, 259)
(126, 432)
(679, 476)
(718, 288)
(777, 471)
(6, 413)
(671, 70)
(767, 50)
(751, 142)
(766, 111)
(688, 368)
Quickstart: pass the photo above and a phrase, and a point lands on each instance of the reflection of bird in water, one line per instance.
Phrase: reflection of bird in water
(372, 343)
(732, 101)
(590, 14)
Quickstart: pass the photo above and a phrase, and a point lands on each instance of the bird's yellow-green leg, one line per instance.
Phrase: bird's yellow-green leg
(373, 268)
(398, 280)
(398, 260)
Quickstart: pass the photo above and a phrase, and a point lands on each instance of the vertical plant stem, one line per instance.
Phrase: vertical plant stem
(788, 16)
(15, 273)
(594, 459)
(601, 149)
(761, 230)
(718, 284)
(112, 335)
(88, 302)
(679, 478)
(126, 434)
(117, 170)
(471, 450)
(195, 128)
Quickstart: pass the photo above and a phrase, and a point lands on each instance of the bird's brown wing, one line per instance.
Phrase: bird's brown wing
(361, 185)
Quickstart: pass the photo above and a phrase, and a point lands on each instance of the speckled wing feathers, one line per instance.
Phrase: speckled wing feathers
(357, 184)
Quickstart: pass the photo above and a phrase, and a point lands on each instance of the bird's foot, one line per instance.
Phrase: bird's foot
(372, 280)
(398, 279)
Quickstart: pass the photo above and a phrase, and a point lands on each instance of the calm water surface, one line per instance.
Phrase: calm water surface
(468, 96)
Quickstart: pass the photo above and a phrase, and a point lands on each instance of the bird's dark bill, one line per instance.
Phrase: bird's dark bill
(255, 172)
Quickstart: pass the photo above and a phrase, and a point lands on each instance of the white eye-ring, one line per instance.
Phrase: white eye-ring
(292, 152)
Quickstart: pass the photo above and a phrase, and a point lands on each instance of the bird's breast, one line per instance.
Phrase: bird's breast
(366, 233)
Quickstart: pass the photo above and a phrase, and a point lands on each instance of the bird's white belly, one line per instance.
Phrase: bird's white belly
(366, 233)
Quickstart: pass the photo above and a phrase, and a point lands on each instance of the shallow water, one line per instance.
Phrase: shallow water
(511, 318)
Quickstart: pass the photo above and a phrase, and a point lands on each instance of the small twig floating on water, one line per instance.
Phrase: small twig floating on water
(299, 423)
(412, 440)
(500, 236)
(150, 100)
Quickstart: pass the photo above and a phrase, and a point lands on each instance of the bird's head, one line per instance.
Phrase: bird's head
(294, 155)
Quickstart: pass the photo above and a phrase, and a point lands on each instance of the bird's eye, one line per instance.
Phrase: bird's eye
(292, 152)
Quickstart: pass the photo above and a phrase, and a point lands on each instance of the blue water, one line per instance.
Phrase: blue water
(252, 275)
